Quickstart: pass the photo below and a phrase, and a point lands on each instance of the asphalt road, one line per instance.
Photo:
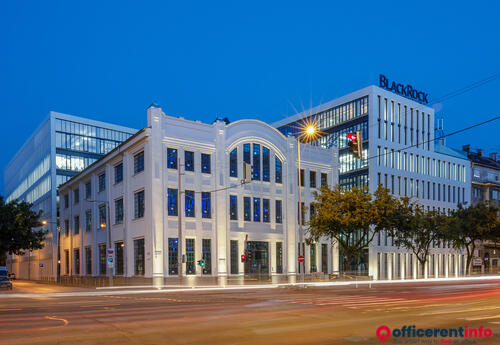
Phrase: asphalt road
(292, 315)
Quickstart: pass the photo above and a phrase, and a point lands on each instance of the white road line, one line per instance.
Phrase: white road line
(481, 318)
(458, 311)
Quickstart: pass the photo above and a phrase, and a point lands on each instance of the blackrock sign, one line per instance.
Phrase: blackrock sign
(403, 90)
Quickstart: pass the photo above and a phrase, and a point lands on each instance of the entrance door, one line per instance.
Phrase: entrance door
(258, 261)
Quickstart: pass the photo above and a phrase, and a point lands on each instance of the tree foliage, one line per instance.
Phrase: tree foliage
(17, 222)
(350, 218)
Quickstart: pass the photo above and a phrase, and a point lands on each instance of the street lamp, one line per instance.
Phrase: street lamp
(58, 267)
(106, 224)
(308, 131)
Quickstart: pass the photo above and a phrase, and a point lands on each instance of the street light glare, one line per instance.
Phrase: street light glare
(44, 222)
(310, 130)
(103, 225)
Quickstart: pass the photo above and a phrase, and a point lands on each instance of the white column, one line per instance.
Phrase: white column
(389, 265)
(414, 266)
(447, 264)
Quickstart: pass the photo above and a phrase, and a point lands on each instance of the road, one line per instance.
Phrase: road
(291, 315)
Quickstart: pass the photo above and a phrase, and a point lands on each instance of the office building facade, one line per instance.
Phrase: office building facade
(61, 146)
(177, 170)
(399, 153)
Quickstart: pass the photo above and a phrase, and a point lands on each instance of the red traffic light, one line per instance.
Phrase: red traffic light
(243, 258)
(352, 137)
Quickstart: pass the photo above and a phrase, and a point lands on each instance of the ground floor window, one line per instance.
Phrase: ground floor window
(77, 260)
(257, 262)
(88, 260)
(172, 256)
(207, 256)
(312, 257)
(279, 257)
(324, 258)
(139, 257)
(66, 260)
(102, 259)
(119, 258)
(234, 257)
(190, 264)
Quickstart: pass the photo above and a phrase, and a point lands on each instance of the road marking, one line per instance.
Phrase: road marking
(98, 305)
(457, 311)
(10, 309)
(481, 318)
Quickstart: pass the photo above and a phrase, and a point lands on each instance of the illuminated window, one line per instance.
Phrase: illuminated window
(189, 200)
(172, 202)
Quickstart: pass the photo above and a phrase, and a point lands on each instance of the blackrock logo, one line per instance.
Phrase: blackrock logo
(403, 90)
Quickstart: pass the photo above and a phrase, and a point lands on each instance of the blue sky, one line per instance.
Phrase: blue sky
(110, 60)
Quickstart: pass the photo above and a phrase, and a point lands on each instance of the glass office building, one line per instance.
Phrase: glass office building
(61, 146)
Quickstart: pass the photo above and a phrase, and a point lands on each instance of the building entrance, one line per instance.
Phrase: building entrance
(258, 262)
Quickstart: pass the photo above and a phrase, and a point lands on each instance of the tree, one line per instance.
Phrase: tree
(349, 218)
(469, 226)
(415, 229)
(17, 221)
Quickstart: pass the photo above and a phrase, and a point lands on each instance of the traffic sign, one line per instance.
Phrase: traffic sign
(301, 258)
(111, 262)
(41, 265)
(110, 251)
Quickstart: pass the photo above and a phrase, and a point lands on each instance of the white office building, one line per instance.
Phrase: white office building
(401, 154)
(134, 193)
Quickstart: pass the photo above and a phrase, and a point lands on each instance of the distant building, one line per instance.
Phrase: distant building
(61, 146)
(485, 188)
(400, 154)
(138, 183)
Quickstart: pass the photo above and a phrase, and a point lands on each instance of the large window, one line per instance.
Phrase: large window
(207, 256)
(265, 164)
(76, 196)
(139, 162)
(66, 227)
(312, 257)
(247, 209)
(88, 221)
(77, 225)
(256, 209)
(233, 207)
(266, 213)
(188, 160)
(234, 257)
(119, 173)
(102, 259)
(190, 264)
(119, 211)
(66, 260)
(139, 257)
(171, 158)
(119, 246)
(233, 163)
(312, 179)
(324, 179)
(172, 256)
(102, 216)
(278, 170)
(246, 153)
(172, 202)
(77, 260)
(189, 200)
(88, 260)
(102, 182)
(256, 162)
(139, 204)
(205, 163)
(88, 190)
(279, 212)
(279, 257)
(206, 210)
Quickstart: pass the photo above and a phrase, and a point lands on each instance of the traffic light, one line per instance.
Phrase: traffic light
(243, 258)
(201, 263)
(356, 144)
(249, 255)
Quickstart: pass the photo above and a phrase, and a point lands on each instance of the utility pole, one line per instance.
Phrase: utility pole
(301, 232)
(179, 220)
(108, 226)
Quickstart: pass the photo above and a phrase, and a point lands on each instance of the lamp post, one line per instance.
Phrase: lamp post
(106, 224)
(308, 131)
(58, 249)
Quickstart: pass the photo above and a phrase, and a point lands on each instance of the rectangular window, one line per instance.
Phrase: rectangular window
(233, 207)
(233, 163)
(188, 160)
(119, 173)
(88, 261)
(324, 180)
(102, 182)
(102, 216)
(301, 178)
(246, 209)
(66, 259)
(312, 257)
(205, 163)
(119, 211)
(66, 200)
(206, 249)
(77, 225)
(279, 212)
(173, 256)
(312, 179)
(119, 258)
(246, 154)
(189, 203)
(206, 210)
(256, 162)
(234, 257)
(266, 213)
(88, 190)
(139, 204)
(278, 170)
(88, 221)
(172, 202)
(171, 158)
(102, 259)
(66, 227)
(256, 209)
(139, 257)
(139, 162)
(77, 260)
(190, 264)
(324, 258)
(76, 196)
(266, 164)
(279, 257)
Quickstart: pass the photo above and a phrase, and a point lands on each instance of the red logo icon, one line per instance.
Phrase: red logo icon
(383, 333)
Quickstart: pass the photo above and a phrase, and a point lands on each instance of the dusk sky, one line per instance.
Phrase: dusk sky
(110, 60)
